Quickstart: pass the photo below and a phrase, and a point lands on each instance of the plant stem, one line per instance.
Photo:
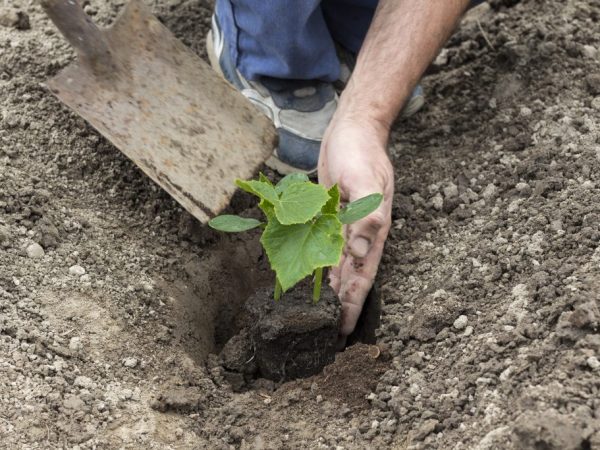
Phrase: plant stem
(277, 289)
(317, 287)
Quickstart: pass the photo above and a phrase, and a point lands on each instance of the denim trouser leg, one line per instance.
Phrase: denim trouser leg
(279, 38)
(349, 20)
(293, 39)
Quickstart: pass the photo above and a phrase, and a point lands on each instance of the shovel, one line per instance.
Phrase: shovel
(161, 105)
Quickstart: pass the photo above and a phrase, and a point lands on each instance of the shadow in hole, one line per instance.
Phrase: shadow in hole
(213, 289)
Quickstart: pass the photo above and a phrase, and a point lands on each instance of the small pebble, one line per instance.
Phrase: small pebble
(461, 322)
(450, 190)
(414, 389)
(589, 51)
(4, 234)
(89, 10)
(505, 375)
(127, 394)
(319, 398)
(489, 192)
(83, 382)
(521, 186)
(77, 270)
(130, 362)
(593, 363)
(75, 344)
(588, 184)
(437, 201)
(442, 58)
(468, 331)
(35, 251)
(525, 111)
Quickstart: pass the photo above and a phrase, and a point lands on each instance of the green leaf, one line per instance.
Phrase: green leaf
(267, 208)
(263, 178)
(232, 224)
(295, 251)
(333, 204)
(261, 189)
(300, 202)
(360, 208)
(290, 179)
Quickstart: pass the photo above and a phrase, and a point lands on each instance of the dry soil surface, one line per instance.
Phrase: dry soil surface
(113, 301)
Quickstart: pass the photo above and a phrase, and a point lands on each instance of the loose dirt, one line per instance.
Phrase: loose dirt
(490, 279)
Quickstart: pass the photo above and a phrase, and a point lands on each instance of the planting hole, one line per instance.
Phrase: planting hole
(224, 305)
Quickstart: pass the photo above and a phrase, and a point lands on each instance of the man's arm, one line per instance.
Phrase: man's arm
(403, 39)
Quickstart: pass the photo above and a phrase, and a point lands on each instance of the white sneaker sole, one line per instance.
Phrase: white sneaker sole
(273, 162)
(413, 106)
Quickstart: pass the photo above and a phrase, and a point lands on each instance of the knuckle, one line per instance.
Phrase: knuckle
(377, 220)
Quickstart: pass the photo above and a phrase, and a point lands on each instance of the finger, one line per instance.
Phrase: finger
(354, 299)
(322, 172)
(357, 277)
(335, 280)
(363, 234)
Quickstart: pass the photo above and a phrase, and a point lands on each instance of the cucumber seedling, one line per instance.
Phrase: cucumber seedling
(303, 230)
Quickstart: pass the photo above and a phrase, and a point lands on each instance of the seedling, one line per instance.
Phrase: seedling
(303, 233)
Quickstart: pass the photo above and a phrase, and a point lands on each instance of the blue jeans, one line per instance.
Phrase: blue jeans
(293, 39)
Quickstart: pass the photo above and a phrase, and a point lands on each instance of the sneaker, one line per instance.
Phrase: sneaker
(300, 109)
(347, 63)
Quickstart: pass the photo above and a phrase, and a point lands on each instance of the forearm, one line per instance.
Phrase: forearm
(402, 41)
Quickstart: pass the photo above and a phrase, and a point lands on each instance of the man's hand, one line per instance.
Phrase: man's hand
(403, 39)
(354, 156)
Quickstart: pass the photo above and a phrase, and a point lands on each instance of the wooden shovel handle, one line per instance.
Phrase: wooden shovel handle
(77, 27)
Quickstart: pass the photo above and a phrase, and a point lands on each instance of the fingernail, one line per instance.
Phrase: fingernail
(360, 247)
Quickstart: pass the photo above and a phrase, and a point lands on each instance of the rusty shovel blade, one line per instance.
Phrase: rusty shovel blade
(161, 105)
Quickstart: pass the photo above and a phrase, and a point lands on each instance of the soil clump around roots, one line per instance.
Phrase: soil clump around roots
(283, 340)
(115, 303)
(293, 337)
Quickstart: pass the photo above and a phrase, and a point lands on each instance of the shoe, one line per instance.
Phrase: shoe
(300, 109)
(347, 63)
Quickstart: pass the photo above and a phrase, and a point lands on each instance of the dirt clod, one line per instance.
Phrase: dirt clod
(593, 83)
(549, 430)
(10, 17)
(182, 400)
(424, 430)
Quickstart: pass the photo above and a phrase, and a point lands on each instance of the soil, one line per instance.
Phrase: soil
(490, 280)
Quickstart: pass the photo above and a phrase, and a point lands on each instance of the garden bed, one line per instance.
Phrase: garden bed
(110, 336)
